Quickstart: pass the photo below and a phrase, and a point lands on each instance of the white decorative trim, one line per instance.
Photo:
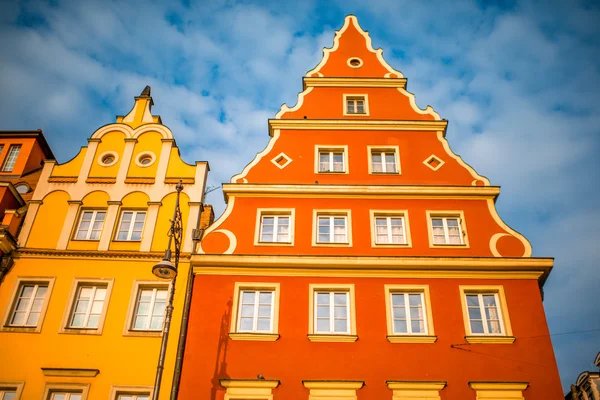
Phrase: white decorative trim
(218, 222)
(474, 173)
(257, 158)
(336, 43)
(285, 108)
(108, 153)
(143, 154)
(508, 229)
(277, 157)
(413, 103)
(436, 158)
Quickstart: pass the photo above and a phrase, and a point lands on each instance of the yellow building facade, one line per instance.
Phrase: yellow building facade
(82, 313)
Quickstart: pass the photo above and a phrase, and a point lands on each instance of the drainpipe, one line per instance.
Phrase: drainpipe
(197, 236)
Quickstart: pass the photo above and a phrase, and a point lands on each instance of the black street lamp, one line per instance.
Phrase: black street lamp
(166, 269)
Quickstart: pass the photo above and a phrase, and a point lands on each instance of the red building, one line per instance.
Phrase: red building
(360, 258)
(21, 157)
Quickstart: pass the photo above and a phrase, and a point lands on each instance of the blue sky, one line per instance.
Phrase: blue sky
(518, 81)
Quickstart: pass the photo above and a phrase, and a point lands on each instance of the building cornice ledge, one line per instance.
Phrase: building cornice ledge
(364, 266)
(354, 82)
(91, 254)
(249, 189)
(356, 124)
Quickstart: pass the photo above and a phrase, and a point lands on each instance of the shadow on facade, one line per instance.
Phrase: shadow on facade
(220, 371)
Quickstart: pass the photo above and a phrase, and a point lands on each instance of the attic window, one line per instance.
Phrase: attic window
(356, 104)
(108, 158)
(355, 62)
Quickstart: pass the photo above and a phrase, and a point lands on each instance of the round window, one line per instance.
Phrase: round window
(145, 159)
(108, 158)
(23, 188)
(355, 62)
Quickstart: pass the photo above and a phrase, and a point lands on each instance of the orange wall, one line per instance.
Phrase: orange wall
(211, 355)
(480, 227)
(415, 147)
(30, 157)
(7, 201)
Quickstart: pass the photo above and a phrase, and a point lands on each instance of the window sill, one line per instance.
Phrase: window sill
(21, 329)
(490, 339)
(384, 173)
(391, 246)
(273, 244)
(262, 337)
(332, 338)
(81, 331)
(332, 172)
(411, 339)
(331, 245)
(449, 246)
(141, 333)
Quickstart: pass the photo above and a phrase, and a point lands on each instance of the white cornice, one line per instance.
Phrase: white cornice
(356, 125)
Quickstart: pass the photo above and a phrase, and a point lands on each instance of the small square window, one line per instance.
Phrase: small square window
(390, 230)
(447, 229)
(131, 225)
(275, 228)
(149, 313)
(255, 313)
(356, 104)
(66, 391)
(333, 314)
(331, 161)
(11, 390)
(485, 314)
(90, 225)
(11, 158)
(383, 162)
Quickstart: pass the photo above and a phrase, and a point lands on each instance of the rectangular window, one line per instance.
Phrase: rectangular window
(64, 396)
(11, 158)
(383, 162)
(485, 314)
(408, 313)
(256, 311)
(28, 304)
(485, 317)
(331, 161)
(390, 230)
(332, 229)
(355, 105)
(131, 225)
(90, 225)
(8, 394)
(133, 397)
(332, 312)
(446, 231)
(150, 307)
(88, 306)
(275, 229)
(1, 150)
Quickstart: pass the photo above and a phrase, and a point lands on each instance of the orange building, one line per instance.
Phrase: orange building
(21, 156)
(360, 258)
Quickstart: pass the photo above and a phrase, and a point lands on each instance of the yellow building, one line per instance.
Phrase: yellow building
(81, 311)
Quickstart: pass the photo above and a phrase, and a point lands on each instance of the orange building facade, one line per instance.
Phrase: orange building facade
(360, 258)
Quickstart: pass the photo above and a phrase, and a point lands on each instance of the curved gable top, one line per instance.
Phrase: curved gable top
(351, 42)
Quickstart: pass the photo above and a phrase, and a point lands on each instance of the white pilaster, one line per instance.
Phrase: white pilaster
(151, 217)
(163, 163)
(109, 224)
(32, 210)
(126, 160)
(192, 223)
(67, 228)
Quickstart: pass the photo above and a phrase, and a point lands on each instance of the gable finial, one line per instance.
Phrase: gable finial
(146, 92)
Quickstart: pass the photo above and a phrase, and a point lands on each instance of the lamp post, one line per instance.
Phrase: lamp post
(166, 269)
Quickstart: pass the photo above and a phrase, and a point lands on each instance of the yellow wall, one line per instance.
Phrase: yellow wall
(165, 215)
(178, 168)
(147, 142)
(48, 221)
(113, 141)
(72, 167)
(133, 201)
(122, 360)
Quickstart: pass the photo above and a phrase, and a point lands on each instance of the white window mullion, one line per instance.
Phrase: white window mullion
(131, 224)
(331, 312)
(389, 229)
(151, 308)
(483, 316)
(331, 229)
(30, 304)
(255, 312)
(383, 163)
(88, 310)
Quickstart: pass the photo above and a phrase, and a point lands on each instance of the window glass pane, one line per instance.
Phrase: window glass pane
(340, 325)
(265, 297)
(248, 297)
(322, 325)
(59, 396)
(414, 299)
(140, 322)
(323, 298)
(93, 321)
(339, 298)
(477, 327)
(398, 299)
(400, 326)
(341, 312)
(399, 312)
(75, 396)
(264, 311)
(417, 326)
(247, 310)
(9, 396)
(264, 324)
(472, 300)
(156, 323)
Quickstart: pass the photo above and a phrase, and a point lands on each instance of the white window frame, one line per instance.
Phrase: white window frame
(17, 288)
(11, 387)
(275, 228)
(408, 337)
(484, 319)
(355, 98)
(132, 224)
(330, 155)
(383, 164)
(332, 226)
(92, 222)
(274, 212)
(346, 214)
(10, 159)
(445, 216)
(256, 293)
(388, 225)
(502, 307)
(331, 330)
(331, 149)
(150, 315)
(235, 332)
(88, 311)
(116, 391)
(78, 283)
(134, 396)
(350, 335)
(406, 295)
(36, 286)
(67, 394)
